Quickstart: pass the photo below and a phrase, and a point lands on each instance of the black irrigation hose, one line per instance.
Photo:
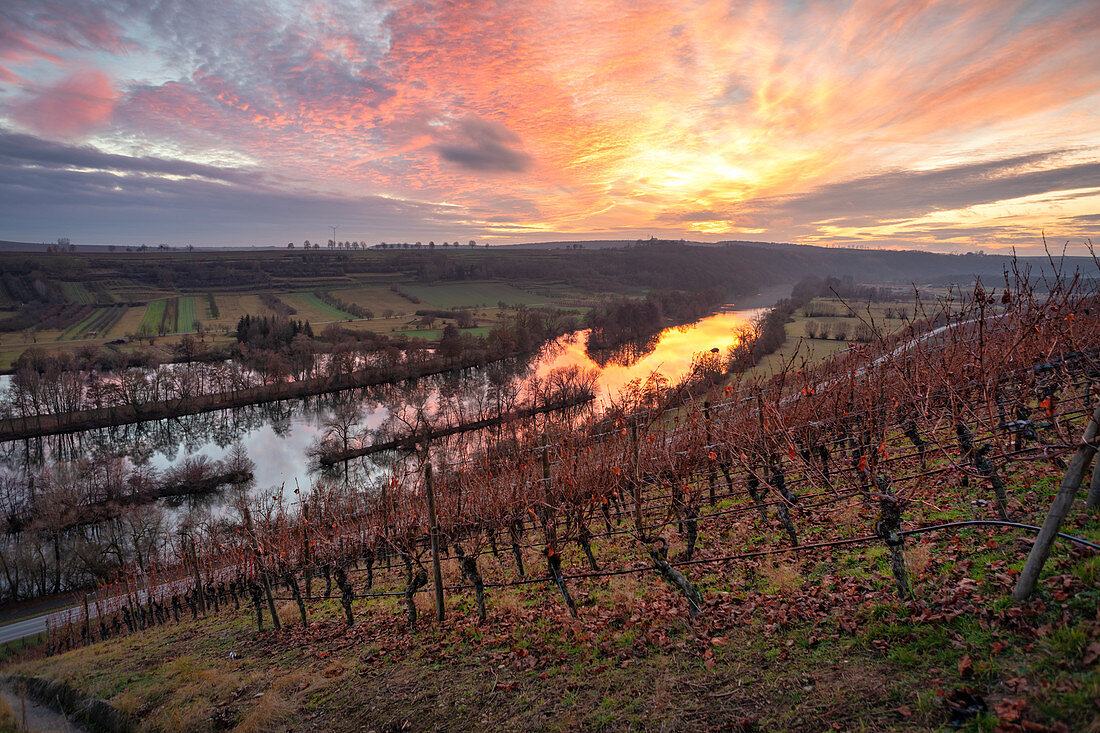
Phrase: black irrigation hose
(998, 523)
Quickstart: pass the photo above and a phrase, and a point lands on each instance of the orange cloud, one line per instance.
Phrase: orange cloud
(73, 106)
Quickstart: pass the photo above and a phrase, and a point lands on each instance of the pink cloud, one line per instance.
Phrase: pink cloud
(69, 108)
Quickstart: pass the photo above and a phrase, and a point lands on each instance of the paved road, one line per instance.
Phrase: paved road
(20, 629)
(110, 605)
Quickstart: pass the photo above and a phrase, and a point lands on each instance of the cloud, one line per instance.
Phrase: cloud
(85, 192)
(677, 217)
(1083, 219)
(33, 30)
(483, 145)
(899, 194)
(73, 106)
(28, 151)
(806, 121)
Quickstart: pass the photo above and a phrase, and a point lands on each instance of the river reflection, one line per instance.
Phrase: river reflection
(671, 354)
(277, 435)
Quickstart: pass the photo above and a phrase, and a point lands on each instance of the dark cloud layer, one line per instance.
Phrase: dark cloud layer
(78, 189)
(482, 145)
(903, 194)
(26, 150)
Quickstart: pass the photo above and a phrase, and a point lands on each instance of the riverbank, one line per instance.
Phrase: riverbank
(335, 455)
(18, 428)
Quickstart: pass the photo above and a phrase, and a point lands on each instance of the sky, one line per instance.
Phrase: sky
(931, 124)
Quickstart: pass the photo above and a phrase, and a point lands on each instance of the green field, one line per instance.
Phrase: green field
(154, 316)
(188, 313)
(472, 294)
(312, 308)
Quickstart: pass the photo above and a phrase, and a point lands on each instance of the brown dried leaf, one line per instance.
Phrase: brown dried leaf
(966, 666)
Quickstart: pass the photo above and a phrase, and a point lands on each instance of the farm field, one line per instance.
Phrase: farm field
(232, 307)
(313, 309)
(131, 294)
(188, 313)
(128, 323)
(378, 298)
(153, 318)
(800, 344)
(168, 313)
(472, 294)
(77, 293)
(96, 325)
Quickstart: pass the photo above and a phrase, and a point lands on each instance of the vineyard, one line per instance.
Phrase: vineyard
(98, 323)
(920, 480)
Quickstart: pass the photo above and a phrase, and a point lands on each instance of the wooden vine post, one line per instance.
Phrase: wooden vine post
(712, 472)
(1093, 503)
(306, 550)
(1071, 482)
(199, 595)
(1094, 489)
(889, 529)
(433, 533)
(260, 569)
(553, 558)
(636, 483)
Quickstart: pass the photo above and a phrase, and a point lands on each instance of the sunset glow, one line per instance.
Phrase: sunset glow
(945, 125)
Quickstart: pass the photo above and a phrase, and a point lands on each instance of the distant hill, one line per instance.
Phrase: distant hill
(735, 268)
(6, 246)
(685, 264)
(622, 243)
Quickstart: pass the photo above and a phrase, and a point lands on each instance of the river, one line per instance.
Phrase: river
(277, 435)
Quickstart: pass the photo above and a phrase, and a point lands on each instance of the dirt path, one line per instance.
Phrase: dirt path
(31, 716)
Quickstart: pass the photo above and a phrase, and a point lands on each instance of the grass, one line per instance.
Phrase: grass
(188, 313)
(799, 346)
(153, 318)
(128, 323)
(313, 309)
